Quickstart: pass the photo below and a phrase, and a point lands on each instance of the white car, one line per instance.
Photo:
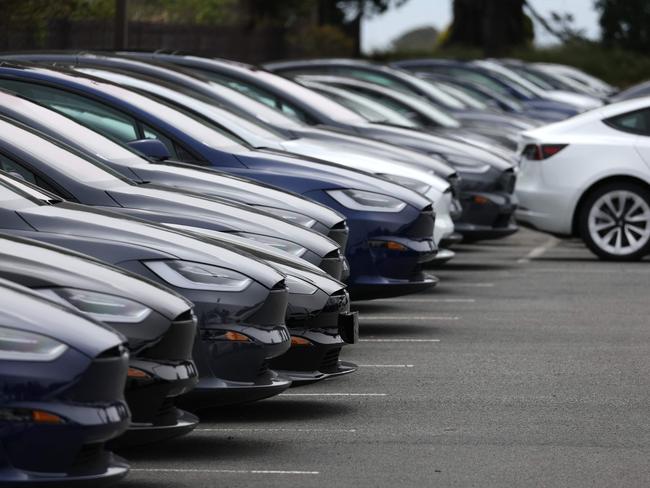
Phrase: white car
(590, 176)
(580, 102)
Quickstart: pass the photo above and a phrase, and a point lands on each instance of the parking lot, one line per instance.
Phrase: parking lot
(527, 366)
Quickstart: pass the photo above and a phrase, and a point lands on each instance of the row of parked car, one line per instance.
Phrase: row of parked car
(180, 233)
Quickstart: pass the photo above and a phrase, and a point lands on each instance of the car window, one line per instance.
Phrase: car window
(261, 95)
(19, 171)
(637, 122)
(92, 114)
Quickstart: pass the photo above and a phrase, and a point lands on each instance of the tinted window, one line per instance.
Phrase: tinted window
(84, 110)
(637, 122)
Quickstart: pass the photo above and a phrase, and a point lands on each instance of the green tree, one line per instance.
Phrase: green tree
(625, 23)
(497, 26)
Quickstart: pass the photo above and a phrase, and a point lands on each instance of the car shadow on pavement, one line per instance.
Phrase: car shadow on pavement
(276, 409)
(197, 447)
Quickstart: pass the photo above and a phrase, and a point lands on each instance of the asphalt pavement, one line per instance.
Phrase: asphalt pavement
(528, 365)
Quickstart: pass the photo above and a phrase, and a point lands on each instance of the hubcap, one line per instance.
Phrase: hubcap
(619, 222)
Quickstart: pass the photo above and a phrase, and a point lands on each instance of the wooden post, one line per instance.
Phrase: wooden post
(121, 37)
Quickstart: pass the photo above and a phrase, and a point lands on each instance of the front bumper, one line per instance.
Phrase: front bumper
(151, 401)
(216, 392)
(487, 215)
(63, 454)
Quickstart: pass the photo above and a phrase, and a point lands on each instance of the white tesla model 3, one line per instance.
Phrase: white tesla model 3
(590, 176)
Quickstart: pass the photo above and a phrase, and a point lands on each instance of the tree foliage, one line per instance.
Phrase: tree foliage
(495, 25)
(625, 23)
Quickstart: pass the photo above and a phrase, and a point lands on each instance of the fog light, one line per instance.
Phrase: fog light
(391, 245)
(25, 415)
(221, 335)
(236, 337)
(481, 200)
(300, 341)
(136, 373)
(41, 417)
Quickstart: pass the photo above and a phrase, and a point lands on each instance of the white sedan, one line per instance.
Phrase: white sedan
(589, 176)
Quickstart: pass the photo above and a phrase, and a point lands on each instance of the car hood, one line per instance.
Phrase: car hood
(371, 147)
(326, 175)
(140, 240)
(583, 102)
(46, 266)
(213, 182)
(162, 204)
(365, 162)
(432, 144)
(283, 261)
(25, 310)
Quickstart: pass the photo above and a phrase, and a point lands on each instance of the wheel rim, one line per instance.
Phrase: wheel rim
(619, 222)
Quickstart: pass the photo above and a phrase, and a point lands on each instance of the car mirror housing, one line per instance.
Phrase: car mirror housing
(151, 148)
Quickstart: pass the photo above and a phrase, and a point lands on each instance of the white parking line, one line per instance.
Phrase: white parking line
(333, 394)
(221, 471)
(408, 317)
(472, 285)
(430, 300)
(539, 251)
(385, 365)
(399, 340)
(320, 431)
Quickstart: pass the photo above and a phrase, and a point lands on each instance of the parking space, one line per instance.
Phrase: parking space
(527, 366)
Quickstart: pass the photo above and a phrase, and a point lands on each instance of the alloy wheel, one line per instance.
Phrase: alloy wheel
(619, 222)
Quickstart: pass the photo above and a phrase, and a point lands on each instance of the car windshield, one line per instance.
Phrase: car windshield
(366, 107)
(238, 127)
(57, 125)
(65, 161)
(280, 102)
(70, 104)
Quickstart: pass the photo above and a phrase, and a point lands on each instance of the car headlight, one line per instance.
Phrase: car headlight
(199, 276)
(409, 183)
(281, 244)
(466, 164)
(18, 345)
(367, 201)
(100, 306)
(293, 217)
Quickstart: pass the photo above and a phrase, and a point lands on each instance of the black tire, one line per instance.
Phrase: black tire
(583, 220)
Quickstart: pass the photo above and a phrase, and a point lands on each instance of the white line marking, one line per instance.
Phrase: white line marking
(334, 394)
(395, 317)
(214, 471)
(431, 300)
(276, 430)
(399, 340)
(607, 270)
(472, 285)
(385, 365)
(539, 251)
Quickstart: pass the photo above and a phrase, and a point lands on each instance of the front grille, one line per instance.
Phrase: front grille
(330, 360)
(88, 457)
(332, 264)
(507, 181)
(454, 182)
(166, 413)
(264, 369)
(176, 343)
(339, 233)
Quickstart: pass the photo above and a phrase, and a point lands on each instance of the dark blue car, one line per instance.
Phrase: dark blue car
(391, 227)
(62, 378)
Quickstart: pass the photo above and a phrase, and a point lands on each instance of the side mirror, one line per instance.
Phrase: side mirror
(151, 148)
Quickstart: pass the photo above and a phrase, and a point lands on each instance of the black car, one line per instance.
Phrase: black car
(159, 325)
(240, 302)
(391, 227)
(62, 378)
(80, 178)
(487, 180)
(191, 178)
